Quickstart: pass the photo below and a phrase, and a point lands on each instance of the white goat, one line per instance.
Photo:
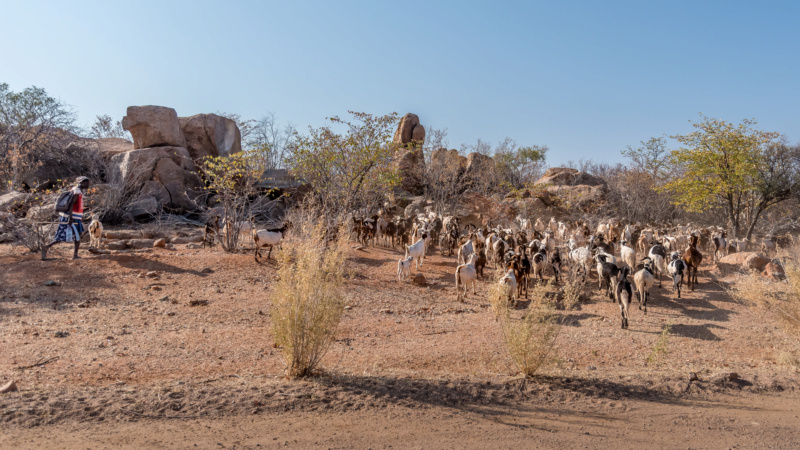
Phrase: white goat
(644, 280)
(511, 281)
(268, 238)
(465, 251)
(416, 251)
(404, 268)
(627, 255)
(466, 274)
(95, 233)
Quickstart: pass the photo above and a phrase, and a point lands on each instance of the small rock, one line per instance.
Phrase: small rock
(591, 368)
(193, 246)
(61, 334)
(50, 283)
(386, 311)
(207, 270)
(116, 245)
(11, 386)
(693, 376)
(160, 243)
(733, 376)
(348, 307)
(198, 303)
(164, 298)
(419, 280)
(152, 274)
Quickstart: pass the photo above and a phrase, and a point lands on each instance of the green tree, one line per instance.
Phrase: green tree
(349, 170)
(520, 166)
(651, 157)
(738, 168)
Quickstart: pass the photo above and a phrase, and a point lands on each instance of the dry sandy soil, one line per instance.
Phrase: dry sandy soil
(185, 357)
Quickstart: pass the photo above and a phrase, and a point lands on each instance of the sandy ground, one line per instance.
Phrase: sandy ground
(129, 359)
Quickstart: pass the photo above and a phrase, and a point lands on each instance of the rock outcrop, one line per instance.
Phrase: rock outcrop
(409, 159)
(210, 135)
(153, 126)
(572, 186)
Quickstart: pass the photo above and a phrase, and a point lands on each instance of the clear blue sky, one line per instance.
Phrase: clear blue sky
(585, 78)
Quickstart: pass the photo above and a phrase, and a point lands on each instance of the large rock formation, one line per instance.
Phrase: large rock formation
(165, 174)
(443, 159)
(572, 186)
(153, 126)
(409, 159)
(210, 135)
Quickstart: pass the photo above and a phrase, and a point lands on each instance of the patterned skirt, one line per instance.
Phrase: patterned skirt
(67, 233)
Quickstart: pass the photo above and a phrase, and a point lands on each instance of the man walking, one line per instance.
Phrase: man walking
(70, 223)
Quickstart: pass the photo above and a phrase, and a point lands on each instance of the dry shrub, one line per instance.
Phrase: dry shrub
(307, 299)
(530, 340)
(571, 292)
(790, 360)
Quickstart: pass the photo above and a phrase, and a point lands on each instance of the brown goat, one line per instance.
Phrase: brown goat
(692, 257)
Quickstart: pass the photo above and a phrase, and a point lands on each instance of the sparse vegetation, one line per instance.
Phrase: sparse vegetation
(530, 340)
(307, 299)
(661, 346)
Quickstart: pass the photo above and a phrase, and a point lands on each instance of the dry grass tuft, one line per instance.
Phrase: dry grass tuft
(530, 340)
(790, 360)
(308, 300)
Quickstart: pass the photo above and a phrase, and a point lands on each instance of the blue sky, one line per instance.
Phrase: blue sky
(585, 78)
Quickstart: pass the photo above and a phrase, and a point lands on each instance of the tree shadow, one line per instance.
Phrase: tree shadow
(135, 262)
(574, 320)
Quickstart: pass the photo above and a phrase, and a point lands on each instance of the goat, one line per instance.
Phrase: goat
(511, 281)
(720, 246)
(211, 231)
(539, 264)
(606, 271)
(659, 257)
(464, 251)
(676, 268)
(404, 268)
(644, 280)
(555, 261)
(95, 233)
(480, 261)
(581, 257)
(521, 270)
(417, 251)
(693, 258)
(624, 295)
(466, 274)
(268, 238)
(627, 254)
(768, 247)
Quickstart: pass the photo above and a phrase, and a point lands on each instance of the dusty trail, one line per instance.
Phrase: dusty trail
(411, 366)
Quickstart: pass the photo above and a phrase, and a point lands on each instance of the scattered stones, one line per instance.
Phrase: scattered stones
(11, 386)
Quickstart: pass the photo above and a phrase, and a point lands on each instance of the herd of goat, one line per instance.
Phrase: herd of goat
(527, 249)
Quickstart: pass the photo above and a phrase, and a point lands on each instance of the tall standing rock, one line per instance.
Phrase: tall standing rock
(410, 160)
(153, 126)
(210, 135)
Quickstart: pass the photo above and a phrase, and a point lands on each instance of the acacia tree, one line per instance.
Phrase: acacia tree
(738, 168)
(31, 123)
(349, 170)
(105, 127)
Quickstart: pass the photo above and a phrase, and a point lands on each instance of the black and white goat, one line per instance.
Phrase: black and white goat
(676, 268)
(269, 238)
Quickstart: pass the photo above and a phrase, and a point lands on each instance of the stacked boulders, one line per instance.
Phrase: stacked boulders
(571, 186)
(161, 162)
(409, 159)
